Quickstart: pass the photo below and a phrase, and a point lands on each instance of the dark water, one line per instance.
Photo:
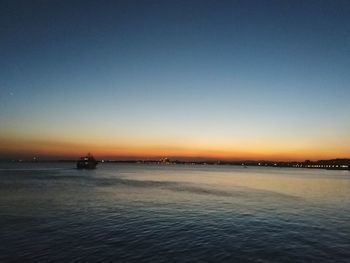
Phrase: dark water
(146, 213)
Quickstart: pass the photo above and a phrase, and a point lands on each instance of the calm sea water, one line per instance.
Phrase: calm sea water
(173, 213)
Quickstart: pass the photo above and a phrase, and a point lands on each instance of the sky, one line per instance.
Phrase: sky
(183, 79)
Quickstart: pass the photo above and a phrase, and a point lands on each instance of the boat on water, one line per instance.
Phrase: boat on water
(87, 162)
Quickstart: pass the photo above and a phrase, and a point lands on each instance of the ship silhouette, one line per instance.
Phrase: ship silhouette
(87, 162)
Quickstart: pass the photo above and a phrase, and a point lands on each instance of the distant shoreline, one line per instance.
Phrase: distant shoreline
(332, 164)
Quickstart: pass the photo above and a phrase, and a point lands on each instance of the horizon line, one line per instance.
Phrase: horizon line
(157, 158)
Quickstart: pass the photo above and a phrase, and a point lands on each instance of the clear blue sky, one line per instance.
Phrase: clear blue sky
(192, 78)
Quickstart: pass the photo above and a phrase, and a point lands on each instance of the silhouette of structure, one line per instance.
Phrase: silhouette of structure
(87, 162)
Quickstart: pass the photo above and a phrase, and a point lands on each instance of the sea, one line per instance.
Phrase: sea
(52, 212)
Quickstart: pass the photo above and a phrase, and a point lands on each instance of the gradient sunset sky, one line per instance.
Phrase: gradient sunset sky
(145, 79)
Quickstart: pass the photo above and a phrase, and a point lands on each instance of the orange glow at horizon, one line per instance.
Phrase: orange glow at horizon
(124, 149)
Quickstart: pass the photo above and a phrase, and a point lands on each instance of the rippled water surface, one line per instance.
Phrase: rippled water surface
(173, 213)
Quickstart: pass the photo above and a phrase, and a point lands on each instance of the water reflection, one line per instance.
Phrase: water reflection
(319, 185)
(134, 213)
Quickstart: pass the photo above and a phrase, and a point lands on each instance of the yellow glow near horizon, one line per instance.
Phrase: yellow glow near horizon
(153, 148)
(142, 140)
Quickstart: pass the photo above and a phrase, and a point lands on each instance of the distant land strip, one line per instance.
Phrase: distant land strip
(332, 164)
